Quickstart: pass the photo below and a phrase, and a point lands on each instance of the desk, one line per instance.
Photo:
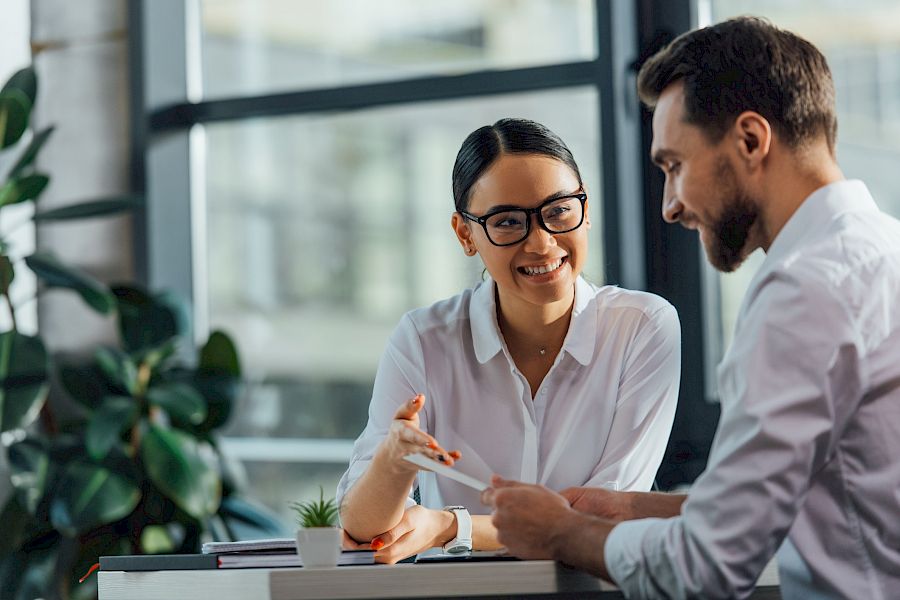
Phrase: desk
(473, 580)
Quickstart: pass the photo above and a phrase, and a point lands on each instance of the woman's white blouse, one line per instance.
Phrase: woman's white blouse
(601, 417)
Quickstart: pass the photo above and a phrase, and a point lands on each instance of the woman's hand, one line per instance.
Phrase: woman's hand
(419, 529)
(348, 543)
(599, 502)
(405, 437)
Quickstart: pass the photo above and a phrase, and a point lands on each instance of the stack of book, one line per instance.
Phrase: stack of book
(268, 553)
(275, 552)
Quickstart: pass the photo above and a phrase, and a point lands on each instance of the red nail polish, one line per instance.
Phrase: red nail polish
(377, 544)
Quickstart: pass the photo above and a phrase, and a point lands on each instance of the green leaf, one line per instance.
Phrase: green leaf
(86, 383)
(219, 355)
(55, 274)
(323, 513)
(25, 81)
(30, 153)
(14, 523)
(29, 464)
(221, 393)
(182, 469)
(23, 189)
(89, 495)
(183, 403)
(7, 273)
(155, 358)
(118, 368)
(116, 413)
(148, 320)
(90, 209)
(15, 109)
(155, 539)
(24, 369)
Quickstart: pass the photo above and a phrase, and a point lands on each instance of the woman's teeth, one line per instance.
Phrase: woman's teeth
(544, 268)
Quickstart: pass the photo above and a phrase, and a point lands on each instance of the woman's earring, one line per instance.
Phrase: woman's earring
(470, 250)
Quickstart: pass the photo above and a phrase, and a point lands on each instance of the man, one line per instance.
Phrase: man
(806, 459)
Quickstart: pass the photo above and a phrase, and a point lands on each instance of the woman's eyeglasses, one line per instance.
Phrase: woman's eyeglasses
(509, 226)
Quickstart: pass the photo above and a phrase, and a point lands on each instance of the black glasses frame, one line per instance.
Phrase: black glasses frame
(482, 220)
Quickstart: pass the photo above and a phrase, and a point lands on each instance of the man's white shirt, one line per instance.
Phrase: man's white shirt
(808, 446)
(601, 417)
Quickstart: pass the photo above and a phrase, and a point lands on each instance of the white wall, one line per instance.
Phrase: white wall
(15, 53)
(82, 67)
(14, 35)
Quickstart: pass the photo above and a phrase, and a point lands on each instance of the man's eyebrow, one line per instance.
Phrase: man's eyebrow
(553, 196)
(660, 156)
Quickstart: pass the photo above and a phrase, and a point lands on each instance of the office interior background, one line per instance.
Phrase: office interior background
(295, 159)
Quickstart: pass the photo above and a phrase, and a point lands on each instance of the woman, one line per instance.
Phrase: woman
(534, 374)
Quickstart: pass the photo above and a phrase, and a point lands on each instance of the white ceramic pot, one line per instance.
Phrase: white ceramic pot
(319, 546)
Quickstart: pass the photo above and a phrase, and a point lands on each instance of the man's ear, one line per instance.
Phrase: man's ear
(753, 136)
(463, 234)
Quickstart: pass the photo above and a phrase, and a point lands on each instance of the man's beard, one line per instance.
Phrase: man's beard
(725, 246)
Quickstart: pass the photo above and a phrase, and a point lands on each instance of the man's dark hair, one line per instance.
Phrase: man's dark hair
(486, 144)
(747, 64)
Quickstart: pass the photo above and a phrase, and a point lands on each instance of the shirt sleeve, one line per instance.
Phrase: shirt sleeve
(645, 405)
(788, 386)
(400, 376)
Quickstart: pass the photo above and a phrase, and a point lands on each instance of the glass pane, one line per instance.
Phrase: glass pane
(277, 484)
(262, 46)
(861, 40)
(324, 230)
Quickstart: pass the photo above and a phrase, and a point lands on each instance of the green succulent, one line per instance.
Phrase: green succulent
(321, 513)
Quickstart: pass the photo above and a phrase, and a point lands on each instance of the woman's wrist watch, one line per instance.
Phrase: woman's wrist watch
(462, 543)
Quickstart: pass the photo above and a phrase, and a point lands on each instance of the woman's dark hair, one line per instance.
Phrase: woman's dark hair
(507, 136)
(742, 64)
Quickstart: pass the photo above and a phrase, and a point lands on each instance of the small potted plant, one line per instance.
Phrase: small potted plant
(318, 536)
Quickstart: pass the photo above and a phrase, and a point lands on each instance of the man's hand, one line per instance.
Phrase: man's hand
(535, 523)
(524, 515)
(599, 502)
(419, 529)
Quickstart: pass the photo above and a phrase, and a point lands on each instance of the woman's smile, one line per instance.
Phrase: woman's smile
(546, 271)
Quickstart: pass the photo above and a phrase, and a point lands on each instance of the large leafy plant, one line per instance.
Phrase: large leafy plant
(122, 458)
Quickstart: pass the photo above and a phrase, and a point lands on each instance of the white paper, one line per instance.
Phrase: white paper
(442, 469)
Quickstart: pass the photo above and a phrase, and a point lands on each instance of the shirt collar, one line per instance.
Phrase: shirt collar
(486, 338)
(819, 209)
(483, 318)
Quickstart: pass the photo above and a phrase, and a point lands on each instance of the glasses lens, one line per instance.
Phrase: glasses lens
(507, 227)
(563, 215)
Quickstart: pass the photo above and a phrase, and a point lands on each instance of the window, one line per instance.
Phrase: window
(254, 46)
(297, 157)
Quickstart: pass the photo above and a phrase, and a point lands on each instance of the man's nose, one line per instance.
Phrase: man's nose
(671, 208)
